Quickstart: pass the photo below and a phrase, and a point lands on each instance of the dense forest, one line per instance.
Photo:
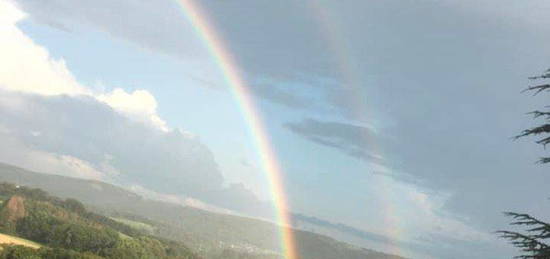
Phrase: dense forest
(66, 229)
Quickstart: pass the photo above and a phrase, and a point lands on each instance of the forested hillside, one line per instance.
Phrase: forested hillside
(66, 229)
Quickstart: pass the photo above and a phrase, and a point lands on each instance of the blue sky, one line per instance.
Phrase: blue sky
(394, 118)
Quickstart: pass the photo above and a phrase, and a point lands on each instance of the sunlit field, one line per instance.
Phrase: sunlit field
(11, 240)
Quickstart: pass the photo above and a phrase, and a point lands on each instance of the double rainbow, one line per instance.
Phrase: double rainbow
(233, 78)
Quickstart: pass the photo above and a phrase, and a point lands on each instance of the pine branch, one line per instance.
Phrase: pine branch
(544, 160)
(546, 74)
(528, 220)
(528, 244)
(537, 88)
(537, 114)
(532, 243)
(534, 131)
(543, 141)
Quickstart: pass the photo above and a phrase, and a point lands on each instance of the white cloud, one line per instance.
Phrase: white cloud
(28, 67)
(403, 202)
(139, 105)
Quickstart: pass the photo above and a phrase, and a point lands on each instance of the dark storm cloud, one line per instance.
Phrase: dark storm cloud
(350, 139)
(156, 25)
(361, 44)
(277, 95)
(292, 49)
(162, 26)
(81, 127)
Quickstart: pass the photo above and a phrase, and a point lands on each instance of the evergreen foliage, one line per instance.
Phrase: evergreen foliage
(542, 129)
(532, 241)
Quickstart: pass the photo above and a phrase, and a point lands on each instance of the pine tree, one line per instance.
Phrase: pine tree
(533, 241)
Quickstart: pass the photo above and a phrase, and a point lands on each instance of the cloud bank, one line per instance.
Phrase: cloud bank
(51, 123)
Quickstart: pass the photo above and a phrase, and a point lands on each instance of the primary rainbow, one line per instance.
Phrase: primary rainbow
(234, 79)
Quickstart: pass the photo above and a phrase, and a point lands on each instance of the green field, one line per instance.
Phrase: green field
(6, 239)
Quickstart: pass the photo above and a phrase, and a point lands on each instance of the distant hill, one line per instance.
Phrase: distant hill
(87, 191)
(211, 235)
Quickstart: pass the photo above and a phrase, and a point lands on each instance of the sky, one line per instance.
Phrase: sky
(393, 118)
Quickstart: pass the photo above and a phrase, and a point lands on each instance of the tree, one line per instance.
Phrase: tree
(543, 129)
(533, 241)
(74, 206)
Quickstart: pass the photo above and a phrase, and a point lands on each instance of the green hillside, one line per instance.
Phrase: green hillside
(66, 229)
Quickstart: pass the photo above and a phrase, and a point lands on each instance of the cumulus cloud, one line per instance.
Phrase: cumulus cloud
(28, 67)
(139, 105)
(91, 139)
(51, 123)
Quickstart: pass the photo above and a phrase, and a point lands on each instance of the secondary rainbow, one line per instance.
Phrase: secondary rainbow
(233, 78)
(349, 70)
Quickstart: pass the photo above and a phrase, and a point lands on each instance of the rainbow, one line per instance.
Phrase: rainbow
(232, 75)
(348, 69)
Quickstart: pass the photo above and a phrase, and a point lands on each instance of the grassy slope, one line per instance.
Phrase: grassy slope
(6, 239)
(68, 225)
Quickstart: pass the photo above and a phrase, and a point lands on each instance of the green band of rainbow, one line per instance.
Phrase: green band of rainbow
(233, 78)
